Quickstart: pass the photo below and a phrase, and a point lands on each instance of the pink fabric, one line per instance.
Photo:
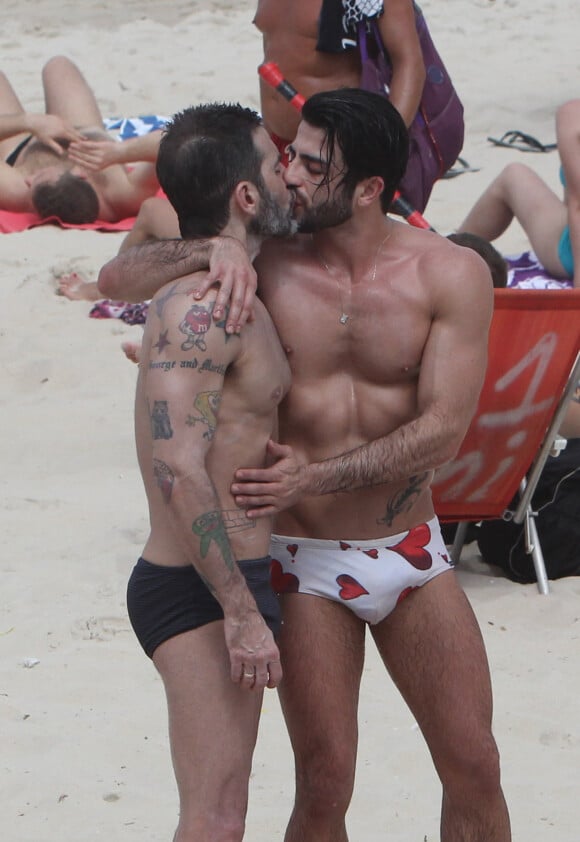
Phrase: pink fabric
(11, 222)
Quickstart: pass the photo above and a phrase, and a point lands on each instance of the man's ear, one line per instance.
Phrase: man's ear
(247, 197)
(369, 190)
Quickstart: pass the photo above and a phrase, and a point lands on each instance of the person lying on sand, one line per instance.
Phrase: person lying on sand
(62, 163)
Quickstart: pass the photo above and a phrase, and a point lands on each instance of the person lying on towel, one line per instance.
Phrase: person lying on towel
(62, 163)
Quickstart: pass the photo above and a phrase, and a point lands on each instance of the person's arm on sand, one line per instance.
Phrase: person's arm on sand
(451, 376)
(568, 137)
(399, 35)
(137, 274)
(179, 463)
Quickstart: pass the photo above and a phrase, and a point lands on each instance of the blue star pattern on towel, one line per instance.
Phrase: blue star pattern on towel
(128, 127)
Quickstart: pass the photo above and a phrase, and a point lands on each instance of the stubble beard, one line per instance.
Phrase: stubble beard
(329, 214)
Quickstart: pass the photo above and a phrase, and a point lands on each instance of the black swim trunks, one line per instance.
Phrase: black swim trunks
(13, 157)
(166, 601)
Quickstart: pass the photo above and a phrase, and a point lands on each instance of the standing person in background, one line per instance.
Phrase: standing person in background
(314, 60)
(316, 46)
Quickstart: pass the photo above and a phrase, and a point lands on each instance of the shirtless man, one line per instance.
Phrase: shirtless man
(200, 598)
(290, 30)
(290, 35)
(316, 45)
(387, 345)
(62, 163)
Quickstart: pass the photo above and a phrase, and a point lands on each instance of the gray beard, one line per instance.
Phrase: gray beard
(272, 220)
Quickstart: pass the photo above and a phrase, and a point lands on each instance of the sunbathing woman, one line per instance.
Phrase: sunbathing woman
(62, 163)
(551, 224)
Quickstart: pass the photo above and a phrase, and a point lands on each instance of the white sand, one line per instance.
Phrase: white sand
(84, 752)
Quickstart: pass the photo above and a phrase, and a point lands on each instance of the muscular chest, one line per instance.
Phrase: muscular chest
(375, 335)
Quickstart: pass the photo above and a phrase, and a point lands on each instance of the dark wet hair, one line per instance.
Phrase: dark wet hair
(71, 199)
(369, 131)
(497, 264)
(204, 153)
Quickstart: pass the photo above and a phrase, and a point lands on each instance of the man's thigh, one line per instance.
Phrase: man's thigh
(540, 212)
(322, 652)
(9, 104)
(433, 649)
(212, 722)
(68, 94)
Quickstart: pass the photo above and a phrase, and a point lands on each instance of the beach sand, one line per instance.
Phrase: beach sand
(84, 750)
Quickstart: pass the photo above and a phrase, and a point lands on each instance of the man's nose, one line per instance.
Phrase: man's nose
(290, 178)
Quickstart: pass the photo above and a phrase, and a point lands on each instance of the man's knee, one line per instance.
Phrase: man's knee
(55, 67)
(149, 213)
(325, 779)
(472, 767)
(515, 174)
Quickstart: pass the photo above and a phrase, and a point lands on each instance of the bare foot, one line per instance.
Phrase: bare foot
(132, 351)
(74, 287)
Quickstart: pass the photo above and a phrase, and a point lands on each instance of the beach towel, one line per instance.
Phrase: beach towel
(128, 127)
(124, 128)
(11, 223)
(526, 272)
(131, 314)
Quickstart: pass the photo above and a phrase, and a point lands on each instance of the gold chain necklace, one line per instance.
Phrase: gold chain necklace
(344, 316)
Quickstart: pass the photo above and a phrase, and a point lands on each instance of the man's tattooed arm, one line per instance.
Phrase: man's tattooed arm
(187, 357)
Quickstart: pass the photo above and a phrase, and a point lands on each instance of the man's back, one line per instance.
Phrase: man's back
(232, 388)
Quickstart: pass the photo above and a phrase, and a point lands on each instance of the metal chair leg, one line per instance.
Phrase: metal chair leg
(534, 548)
(458, 541)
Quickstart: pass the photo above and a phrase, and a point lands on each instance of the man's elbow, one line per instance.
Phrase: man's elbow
(450, 443)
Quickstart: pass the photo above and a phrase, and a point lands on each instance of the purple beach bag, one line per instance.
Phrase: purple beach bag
(436, 134)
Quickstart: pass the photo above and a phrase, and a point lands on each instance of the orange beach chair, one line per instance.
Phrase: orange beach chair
(533, 368)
